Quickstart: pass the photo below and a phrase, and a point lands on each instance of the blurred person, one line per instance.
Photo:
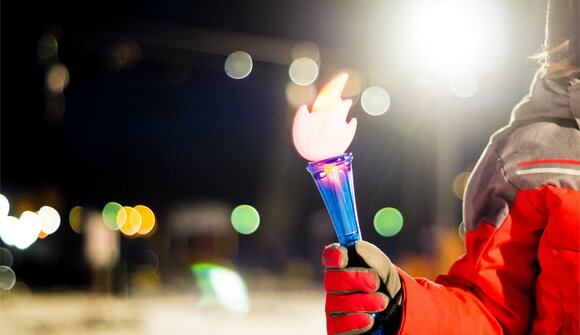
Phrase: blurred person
(520, 273)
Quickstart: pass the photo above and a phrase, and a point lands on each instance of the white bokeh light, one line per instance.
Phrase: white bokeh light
(29, 227)
(7, 278)
(50, 219)
(238, 65)
(230, 289)
(375, 101)
(8, 230)
(4, 206)
(303, 71)
(20, 232)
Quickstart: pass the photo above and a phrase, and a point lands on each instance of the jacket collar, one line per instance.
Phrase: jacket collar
(549, 98)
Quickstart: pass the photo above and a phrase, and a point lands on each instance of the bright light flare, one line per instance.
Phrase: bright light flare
(463, 85)
(324, 133)
(222, 285)
(452, 35)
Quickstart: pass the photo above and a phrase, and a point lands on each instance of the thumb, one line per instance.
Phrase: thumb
(379, 262)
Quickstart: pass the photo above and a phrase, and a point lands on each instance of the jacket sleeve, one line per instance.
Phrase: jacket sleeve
(490, 289)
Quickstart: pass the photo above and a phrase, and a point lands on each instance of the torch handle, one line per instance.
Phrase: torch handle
(354, 260)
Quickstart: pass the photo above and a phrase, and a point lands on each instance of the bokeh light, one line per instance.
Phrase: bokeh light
(375, 101)
(388, 221)
(6, 257)
(8, 230)
(459, 184)
(124, 55)
(297, 95)
(147, 220)
(463, 85)
(128, 220)
(57, 78)
(303, 71)
(238, 65)
(47, 46)
(29, 227)
(110, 215)
(223, 286)
(245, 219)
(7, 278)
(4, 206)
(50, 219)
(75, 218)
(461, 231)
(354, 84)
(20, 232)
(306, 50)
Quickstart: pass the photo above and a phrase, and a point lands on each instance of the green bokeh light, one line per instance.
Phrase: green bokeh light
(388, 221)
(245, 219)
(110, 215)
(221, 285)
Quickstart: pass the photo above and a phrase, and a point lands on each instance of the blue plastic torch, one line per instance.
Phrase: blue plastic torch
(322, 136)
(333, 177)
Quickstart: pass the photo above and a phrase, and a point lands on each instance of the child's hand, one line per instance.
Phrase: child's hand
(354, 293)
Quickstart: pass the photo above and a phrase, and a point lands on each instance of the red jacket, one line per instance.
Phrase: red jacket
(521, 270)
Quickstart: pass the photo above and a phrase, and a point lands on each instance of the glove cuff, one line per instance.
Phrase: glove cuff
(392, 317)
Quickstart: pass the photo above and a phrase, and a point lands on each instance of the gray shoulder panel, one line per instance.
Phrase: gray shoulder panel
(488, 195)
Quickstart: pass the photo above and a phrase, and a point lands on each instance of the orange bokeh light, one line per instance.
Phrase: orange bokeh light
(147, 220)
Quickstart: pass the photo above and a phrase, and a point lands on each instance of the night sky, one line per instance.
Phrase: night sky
(173, 128)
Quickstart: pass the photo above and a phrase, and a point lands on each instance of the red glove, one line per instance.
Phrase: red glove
(354, 293)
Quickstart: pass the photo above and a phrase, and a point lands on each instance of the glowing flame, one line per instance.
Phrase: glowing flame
(324, 133)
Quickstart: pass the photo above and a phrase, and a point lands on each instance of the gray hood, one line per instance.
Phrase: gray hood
(549, 99)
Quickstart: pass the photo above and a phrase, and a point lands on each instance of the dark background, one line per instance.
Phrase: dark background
(175, 129)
